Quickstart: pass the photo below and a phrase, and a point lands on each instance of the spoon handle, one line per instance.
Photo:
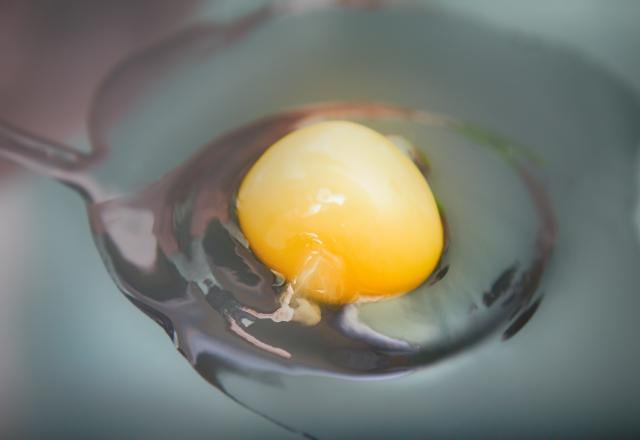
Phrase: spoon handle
(49, 158)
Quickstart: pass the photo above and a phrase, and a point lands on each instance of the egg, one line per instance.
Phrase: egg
(342, 213)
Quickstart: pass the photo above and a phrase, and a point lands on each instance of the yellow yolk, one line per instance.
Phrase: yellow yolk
(342, 213)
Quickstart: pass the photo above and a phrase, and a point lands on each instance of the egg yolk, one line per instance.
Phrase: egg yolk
(342, 213)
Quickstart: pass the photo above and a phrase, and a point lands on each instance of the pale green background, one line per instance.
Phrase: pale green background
(75, 354)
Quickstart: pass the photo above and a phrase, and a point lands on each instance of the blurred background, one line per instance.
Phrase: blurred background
(73, 350)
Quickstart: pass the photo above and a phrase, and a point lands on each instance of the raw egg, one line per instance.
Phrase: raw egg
(342, 213)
